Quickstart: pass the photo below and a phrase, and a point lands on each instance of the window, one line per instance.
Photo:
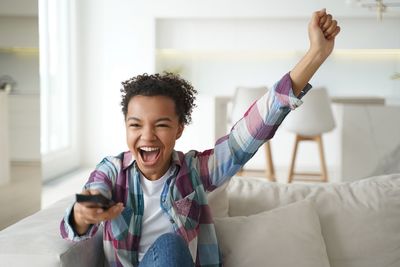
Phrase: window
(58, 143)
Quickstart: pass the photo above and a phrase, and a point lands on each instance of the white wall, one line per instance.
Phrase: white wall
(238, 34)
(258, 51)
(242, 9)
(218, 55)
(121, 40)
(108, 53)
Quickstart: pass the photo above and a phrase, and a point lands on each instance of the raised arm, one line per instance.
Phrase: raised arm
(263, 118)
(322, 31)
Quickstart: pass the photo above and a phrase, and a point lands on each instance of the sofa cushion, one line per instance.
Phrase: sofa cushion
(218, 201)
(36, 241)
(286, 236)
(360, 220)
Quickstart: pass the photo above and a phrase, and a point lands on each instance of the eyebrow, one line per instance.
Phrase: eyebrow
(158, 120)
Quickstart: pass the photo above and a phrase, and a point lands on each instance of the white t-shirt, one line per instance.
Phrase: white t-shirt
(155, 221)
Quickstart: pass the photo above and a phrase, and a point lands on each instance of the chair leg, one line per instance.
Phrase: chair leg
(318, 140)
(291, 170)
(270, 170)
(322, 158)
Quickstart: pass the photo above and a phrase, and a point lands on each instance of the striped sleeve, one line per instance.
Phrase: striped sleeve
(100, 179)
(258, 125)
(68, 232)
(104, 176)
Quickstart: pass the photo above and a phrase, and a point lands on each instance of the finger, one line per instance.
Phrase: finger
(320, 13)
(317, 16)
(98, 215)
(84, 214)
(331, 29)
(112, 212)
(327, 23)
(94, 192)
(334, 34)
(322, 20)
(88, 211)
(93, 215)
(85, 192)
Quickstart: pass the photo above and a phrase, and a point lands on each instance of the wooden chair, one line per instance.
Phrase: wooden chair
(241, 101)
(309, 122)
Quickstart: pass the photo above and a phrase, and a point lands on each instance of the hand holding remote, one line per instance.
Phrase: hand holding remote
(93, 208)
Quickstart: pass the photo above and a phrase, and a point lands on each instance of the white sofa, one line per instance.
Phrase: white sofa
(354, 224)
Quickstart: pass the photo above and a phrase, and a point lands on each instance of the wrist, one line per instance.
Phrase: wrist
(316, 56)
(77, 223)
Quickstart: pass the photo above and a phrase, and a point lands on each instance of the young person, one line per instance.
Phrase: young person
(162, 217)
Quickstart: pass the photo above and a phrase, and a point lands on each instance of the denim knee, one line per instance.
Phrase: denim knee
(171, 239)
(169, 250)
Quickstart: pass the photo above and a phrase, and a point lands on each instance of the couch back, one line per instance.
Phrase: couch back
(360, 221)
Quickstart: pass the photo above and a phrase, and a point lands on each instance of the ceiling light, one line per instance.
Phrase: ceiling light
(379, 6)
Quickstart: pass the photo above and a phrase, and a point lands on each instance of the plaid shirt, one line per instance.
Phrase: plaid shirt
(184, 196)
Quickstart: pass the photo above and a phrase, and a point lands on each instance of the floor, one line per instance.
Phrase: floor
(20, 197)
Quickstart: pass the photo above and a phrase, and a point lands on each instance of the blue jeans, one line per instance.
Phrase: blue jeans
(169, 250)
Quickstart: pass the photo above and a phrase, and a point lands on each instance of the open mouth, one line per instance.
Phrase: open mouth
(149, 154)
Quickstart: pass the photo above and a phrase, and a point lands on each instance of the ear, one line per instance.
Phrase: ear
(181, 127)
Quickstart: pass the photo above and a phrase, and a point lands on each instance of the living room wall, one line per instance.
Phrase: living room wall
(119, 41)
(19, 58)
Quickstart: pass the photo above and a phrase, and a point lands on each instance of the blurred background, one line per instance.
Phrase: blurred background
(62, 63)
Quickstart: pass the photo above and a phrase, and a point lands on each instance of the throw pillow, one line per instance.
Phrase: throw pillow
(286, 236)
(218, 201)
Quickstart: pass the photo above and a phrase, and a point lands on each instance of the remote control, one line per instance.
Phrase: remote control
(95, 201)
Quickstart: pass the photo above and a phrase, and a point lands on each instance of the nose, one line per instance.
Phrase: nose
(148, 134)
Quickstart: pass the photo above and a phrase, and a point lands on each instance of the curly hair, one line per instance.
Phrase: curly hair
(166, 84)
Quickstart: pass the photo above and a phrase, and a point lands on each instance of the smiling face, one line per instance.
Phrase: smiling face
(152, 127)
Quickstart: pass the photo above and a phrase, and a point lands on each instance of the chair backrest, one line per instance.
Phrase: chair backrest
(313, 117)
(242, 99)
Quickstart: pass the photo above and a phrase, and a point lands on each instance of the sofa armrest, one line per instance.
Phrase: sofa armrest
(36, 241)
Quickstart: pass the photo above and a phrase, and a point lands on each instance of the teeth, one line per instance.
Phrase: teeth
(149, 149)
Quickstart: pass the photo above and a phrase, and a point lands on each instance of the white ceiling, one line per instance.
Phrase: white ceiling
(247, 8)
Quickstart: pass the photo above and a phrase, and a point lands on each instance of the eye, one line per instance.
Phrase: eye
(134, 125)
(162, 125)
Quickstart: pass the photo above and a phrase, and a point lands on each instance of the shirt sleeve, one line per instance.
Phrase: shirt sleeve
(100, 179)
(68, 232)
(257, 126)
